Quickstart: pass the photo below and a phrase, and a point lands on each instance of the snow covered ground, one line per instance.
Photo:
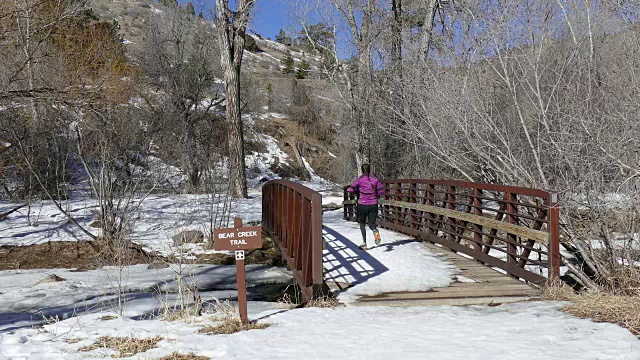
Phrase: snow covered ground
(532, 330)
(400, 263)
(535, 331)
(160, 218)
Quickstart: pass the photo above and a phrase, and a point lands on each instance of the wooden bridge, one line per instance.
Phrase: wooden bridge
(504, 240)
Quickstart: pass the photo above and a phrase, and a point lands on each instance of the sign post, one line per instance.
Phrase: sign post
(239, 239)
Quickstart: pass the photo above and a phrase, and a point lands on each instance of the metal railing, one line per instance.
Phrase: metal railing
(292, 216)
(510, 228)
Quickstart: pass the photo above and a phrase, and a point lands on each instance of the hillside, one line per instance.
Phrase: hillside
(302, 108)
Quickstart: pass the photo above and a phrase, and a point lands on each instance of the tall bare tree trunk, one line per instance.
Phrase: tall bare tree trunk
(25, 34)
(232, 27)
(396, 46)
(235, 134)
(428, 26)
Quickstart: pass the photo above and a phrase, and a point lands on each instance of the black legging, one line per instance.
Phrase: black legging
(363, 230)
(367, 214)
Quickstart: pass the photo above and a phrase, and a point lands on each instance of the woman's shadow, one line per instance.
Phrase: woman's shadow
(345, 262)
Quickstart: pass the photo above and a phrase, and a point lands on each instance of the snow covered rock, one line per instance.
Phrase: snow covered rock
(158, 265)
(188, 237)
(49, 279)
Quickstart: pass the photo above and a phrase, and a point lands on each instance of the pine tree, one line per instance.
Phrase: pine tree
(191, 10)
(269, 96)
(288, 65)
(283, 38)
(303, 70)
(169, 3)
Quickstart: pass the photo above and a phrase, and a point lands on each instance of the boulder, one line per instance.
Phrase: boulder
(157, 265)
(188, 236)
(97, 224)
(49, 279)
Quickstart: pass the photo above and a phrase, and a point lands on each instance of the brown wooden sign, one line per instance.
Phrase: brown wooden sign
(238, 238)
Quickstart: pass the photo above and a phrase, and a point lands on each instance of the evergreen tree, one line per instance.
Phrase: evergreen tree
(303, 70)
(269, 96)
(283, 38)
(191, 9)
(316, 38)
(288, 65)
(169, 3)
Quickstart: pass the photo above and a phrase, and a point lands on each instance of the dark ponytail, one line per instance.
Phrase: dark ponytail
(366, 169)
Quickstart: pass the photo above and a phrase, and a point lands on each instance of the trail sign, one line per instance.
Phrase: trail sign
(239, 239)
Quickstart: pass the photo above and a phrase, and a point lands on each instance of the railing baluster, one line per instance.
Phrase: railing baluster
(512, 219)
(477, 228)
(450, 198)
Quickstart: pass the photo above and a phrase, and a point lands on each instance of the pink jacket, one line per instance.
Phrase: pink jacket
(369, 187)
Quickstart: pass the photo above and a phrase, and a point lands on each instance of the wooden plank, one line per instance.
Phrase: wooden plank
(448, 295)
(524, 232)
(446, 301)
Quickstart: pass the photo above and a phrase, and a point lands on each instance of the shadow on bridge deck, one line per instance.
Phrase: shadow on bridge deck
(345, 264)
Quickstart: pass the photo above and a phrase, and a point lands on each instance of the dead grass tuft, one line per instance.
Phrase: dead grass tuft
(108, 317)
(125, 346)
(285, 302)
(231, 326)
(223, 310)
(189, 356)
(73, 341)
(324, 302)
(599, 306)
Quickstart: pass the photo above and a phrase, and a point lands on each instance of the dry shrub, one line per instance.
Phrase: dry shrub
(126, 346)
(224, 310)
(73, 341)
(231, 326)
(189, 356)
(599, 306)
(285, 302)
(324, 302)
(182, 310)
(108, 317)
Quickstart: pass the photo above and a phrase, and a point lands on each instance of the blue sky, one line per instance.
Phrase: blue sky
(269, 15)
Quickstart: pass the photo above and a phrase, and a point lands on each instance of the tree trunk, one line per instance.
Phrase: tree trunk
(364, 43)
(427, 28)
(237, 173)
(231, 26)
(396, 46)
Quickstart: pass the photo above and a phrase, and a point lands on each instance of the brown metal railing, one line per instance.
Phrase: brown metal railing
(292, 216)
(511, 228)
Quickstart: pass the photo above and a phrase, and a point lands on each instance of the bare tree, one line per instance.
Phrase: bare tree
(231, 26)
(179, 66)
(503, 98)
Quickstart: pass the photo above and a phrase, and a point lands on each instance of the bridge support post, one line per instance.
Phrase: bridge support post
(554, 238)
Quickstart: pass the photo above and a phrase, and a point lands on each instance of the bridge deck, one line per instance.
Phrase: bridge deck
(476, 284)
